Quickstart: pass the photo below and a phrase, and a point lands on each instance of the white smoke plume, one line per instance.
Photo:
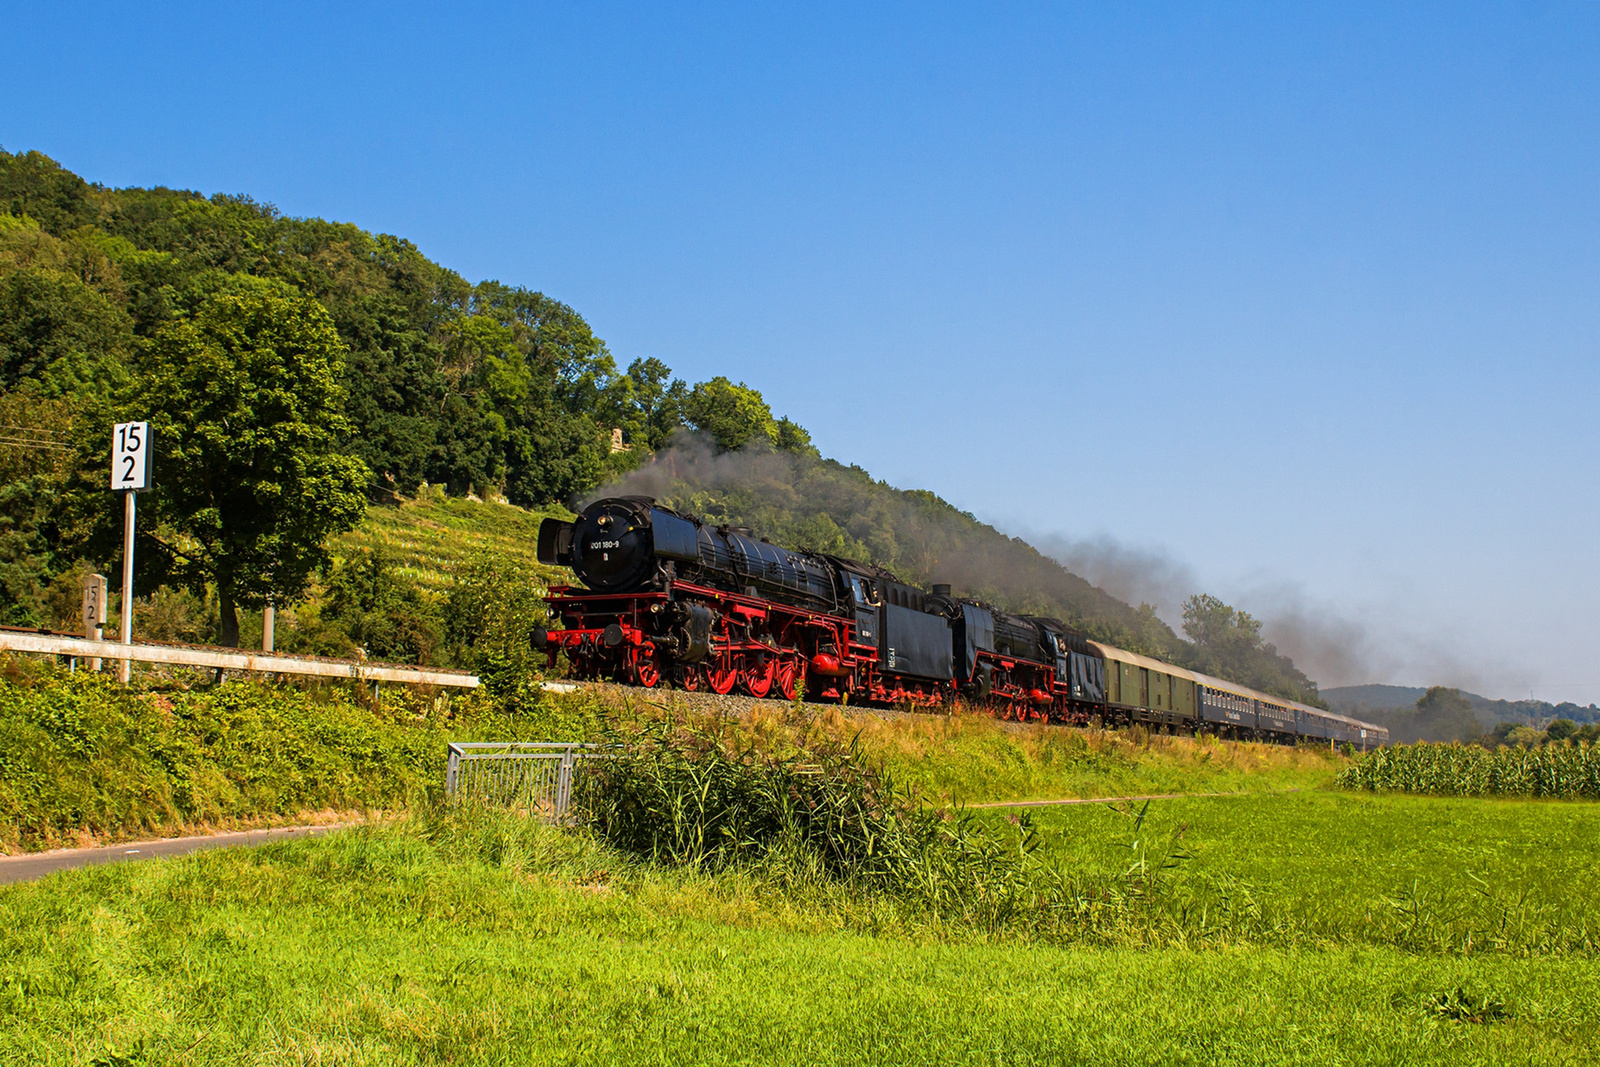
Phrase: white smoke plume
(1335, 645)
(1135, 575)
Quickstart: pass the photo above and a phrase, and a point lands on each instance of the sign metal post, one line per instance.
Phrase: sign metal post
(130, 475)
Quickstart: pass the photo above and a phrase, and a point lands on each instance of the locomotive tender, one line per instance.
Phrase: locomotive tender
(669, 599)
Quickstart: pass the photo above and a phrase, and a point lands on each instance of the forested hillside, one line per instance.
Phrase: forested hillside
(298, 372)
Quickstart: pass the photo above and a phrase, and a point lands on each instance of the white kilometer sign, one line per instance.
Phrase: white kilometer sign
(130, 456)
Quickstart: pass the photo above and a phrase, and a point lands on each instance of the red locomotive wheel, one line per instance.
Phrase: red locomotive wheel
(721, 676)
(757, 675)
(692, 680)
(646, 672)
(787, 674)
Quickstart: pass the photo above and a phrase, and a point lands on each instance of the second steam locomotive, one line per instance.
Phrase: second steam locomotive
(669, 599)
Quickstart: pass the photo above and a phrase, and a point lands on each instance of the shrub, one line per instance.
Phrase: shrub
(488, 616)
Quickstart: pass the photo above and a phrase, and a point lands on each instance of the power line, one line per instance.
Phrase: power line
(49, 444)
(15, 428)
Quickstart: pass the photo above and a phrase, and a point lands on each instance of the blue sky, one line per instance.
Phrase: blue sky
(1312, 288)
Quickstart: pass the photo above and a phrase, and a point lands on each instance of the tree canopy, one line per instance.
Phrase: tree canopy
(1227, 642)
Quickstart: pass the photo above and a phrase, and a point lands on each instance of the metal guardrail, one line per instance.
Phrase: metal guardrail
(533, 775)
(230, 660)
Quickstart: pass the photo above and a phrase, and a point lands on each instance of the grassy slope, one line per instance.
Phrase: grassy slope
(397, 945)
(82, 760)
(972, 758)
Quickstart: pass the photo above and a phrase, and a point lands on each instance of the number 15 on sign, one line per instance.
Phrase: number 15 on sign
(130, 456)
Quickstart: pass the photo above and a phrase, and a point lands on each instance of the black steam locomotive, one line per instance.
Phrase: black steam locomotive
(669, 599)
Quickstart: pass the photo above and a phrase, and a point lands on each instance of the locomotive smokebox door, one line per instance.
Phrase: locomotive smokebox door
(612, 545)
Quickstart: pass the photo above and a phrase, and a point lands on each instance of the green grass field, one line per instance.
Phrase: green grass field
(1322, 867)
(1283, 922)
(494, 942)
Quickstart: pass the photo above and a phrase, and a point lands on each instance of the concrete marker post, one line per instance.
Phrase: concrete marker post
(95, 591)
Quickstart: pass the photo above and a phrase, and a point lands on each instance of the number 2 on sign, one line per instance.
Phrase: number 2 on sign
(130, 468)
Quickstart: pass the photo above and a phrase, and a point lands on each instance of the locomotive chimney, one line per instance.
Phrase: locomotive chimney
(941, 589)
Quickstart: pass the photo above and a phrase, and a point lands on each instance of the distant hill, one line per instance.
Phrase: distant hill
(1359, 700)
(1354, 699)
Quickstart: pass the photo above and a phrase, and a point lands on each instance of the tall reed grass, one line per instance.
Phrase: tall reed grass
(1556, 770)
(682, 794)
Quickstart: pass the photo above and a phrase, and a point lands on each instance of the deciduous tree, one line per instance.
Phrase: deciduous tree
(246, 408)
(731, 414)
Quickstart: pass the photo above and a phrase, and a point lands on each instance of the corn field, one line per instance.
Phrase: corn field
(1555, 770)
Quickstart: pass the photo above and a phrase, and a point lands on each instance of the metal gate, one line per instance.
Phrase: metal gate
(535, 776)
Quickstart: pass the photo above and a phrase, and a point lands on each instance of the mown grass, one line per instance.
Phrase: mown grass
(491, 941)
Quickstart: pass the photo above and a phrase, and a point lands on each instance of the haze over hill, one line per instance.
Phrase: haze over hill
(1368, 700)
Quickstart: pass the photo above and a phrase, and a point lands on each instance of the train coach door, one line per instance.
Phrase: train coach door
(866, 610)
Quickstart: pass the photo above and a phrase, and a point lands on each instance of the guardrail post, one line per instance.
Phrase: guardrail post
(564, 784)
(452, 772)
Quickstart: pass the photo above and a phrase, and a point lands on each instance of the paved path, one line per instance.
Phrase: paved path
(37, 864)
